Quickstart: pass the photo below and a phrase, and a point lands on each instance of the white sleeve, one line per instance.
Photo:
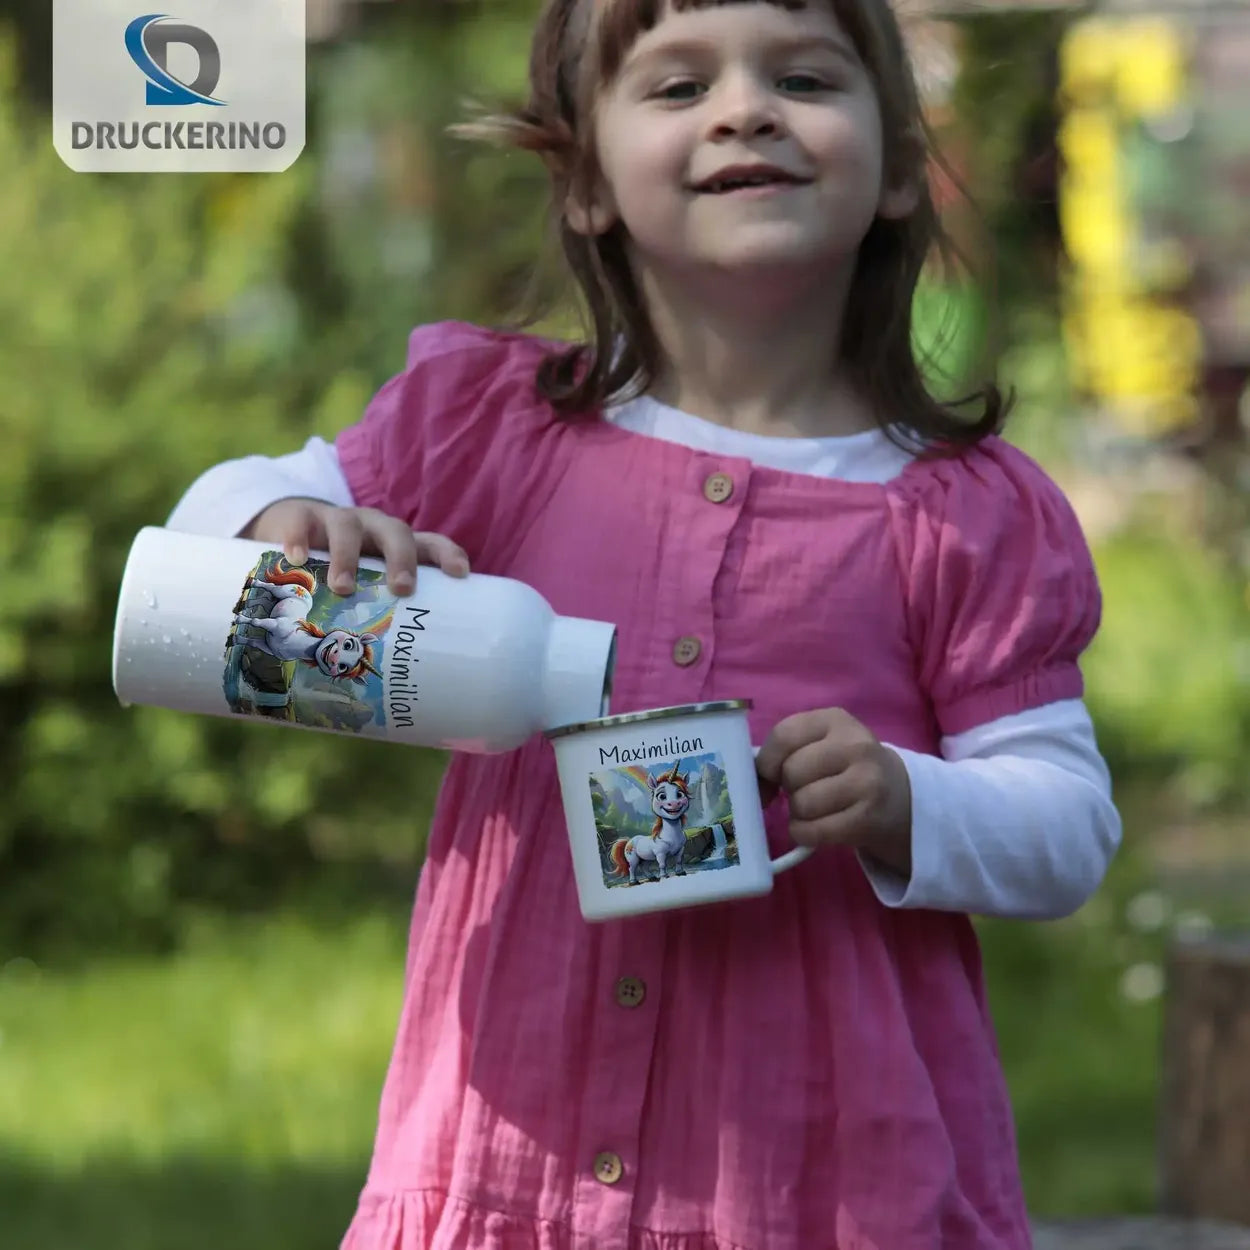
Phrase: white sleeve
(223, 500)
(1016, 819)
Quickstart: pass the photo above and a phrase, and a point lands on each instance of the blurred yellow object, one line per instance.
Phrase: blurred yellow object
(1087, 57)
(1089, 140)
(1140, 357)
(1091, 203)
(1140, 62)
(1152, 67)
(1095, 226)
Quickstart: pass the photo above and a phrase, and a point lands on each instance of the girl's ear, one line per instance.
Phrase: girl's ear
(590, 214)
(900, 189)
(592, 220)
(899, 202)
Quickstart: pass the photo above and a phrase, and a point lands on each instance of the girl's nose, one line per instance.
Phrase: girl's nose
(744, 107)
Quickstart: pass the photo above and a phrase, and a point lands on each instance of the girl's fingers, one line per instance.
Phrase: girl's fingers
(349, 533)
(398, 546)
(838, 829)
(787, 737)
(300, 531)
(827, 796)
(439, 550)
(808, 764)
(344, 535)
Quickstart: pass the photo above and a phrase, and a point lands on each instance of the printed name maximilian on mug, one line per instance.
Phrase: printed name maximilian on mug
(212, 87)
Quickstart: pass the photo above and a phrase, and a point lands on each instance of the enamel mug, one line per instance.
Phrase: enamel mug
(663, 810)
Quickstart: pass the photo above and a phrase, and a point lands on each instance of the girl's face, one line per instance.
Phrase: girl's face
(750, 91)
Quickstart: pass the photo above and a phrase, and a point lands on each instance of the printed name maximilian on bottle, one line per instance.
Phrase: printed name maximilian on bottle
(401, 673)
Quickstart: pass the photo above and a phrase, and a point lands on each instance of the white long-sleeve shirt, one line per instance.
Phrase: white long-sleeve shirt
(1016, 816)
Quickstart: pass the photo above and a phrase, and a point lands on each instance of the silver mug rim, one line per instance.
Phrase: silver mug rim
(660, 713)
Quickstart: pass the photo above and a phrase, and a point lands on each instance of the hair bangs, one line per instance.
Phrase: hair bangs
(623, 22)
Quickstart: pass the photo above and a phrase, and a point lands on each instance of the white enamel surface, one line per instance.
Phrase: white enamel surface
(482, 658)
(581, 755)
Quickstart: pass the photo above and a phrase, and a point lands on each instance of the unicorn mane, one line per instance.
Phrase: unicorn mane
(284, 574)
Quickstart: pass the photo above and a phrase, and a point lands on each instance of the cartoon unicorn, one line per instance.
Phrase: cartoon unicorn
(670, 801)
(338, 653)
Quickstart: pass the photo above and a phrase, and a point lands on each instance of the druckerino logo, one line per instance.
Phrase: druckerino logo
(148, 39)
(146, 93)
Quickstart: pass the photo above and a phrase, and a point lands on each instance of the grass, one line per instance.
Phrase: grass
(222, 1097)
(1081, 1058)
(188, 1203)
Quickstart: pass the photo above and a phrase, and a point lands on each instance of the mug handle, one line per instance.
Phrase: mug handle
(791, 858)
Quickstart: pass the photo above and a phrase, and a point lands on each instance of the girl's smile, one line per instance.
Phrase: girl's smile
(757, 191)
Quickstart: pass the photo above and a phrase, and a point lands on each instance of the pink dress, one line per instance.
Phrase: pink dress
(807, 1071)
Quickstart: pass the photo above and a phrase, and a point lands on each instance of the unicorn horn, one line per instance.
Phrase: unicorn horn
(371, 669)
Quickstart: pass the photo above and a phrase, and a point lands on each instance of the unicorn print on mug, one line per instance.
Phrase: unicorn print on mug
(663, 822)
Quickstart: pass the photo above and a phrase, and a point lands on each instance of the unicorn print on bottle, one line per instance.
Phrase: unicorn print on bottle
(635, 852)
(299, 652)
(289, 635)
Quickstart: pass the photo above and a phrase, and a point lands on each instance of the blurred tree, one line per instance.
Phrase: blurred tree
(1005, 101)
(30, 22)
(153, 331)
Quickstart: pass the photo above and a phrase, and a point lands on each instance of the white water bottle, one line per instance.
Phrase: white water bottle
(227, 626)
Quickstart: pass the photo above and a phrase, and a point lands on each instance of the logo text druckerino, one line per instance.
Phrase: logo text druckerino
(183, 136)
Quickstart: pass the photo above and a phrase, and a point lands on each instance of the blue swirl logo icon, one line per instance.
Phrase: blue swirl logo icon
(148, 40)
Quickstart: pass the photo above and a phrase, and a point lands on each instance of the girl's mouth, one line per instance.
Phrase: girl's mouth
(754, 191)
(751, 183)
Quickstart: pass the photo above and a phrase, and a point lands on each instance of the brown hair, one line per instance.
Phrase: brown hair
(575, 52)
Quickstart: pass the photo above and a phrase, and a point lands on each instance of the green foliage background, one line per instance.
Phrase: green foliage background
(154, 327)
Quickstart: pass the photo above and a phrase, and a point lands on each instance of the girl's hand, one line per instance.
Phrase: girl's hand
(300, 525)
(844, 787)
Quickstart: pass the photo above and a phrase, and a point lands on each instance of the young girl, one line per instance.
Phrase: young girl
(742, 470)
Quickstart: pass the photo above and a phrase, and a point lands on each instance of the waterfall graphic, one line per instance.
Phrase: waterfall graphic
(719, 843)
(702, 810)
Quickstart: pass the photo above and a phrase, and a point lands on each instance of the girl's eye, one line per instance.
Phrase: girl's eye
(802, 84)
(687, 89)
